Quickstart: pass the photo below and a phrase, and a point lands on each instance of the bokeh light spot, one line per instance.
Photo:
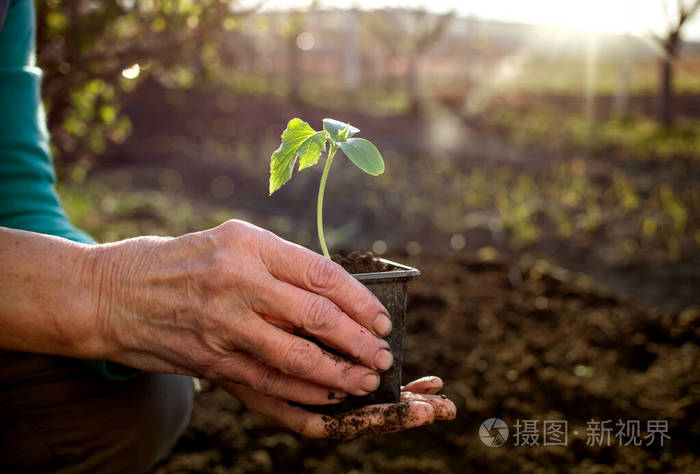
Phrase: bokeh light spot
(458, 241)
(305, 41)
(379, 247)
(192, 21)
(132, 72)
(488, 254)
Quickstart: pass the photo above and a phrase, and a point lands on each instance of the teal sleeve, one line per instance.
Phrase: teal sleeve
(28, 198)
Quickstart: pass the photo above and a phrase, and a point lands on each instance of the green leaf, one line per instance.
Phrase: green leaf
(338, 131)
(310, 151)
(364, 154)
(298, 140)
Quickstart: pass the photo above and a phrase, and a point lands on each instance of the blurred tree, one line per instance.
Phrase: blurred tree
(291, 30)
(670, 48)
(408, 34)
(624, 70)
(94, 52)
(352, 64)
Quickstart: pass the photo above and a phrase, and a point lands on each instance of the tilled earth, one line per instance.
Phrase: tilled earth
(514, 340)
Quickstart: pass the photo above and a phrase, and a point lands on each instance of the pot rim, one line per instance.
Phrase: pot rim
(404, 272)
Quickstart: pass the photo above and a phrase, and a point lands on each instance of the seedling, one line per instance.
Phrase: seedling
(301, 141)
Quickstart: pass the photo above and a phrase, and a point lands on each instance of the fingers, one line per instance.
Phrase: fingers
(372, 419)
(425, 389)
(443, 407)
(320, 317)
(429, 384)
(302, 359)
(308, 270)
(270, 381)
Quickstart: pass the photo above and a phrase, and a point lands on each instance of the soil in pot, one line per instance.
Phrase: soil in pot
(356, 262)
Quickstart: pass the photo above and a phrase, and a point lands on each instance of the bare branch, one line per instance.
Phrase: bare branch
(684, 14)
(429, 38)
(671, 41)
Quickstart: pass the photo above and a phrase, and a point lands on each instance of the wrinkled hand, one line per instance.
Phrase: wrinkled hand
(202, 304)
(419, 406)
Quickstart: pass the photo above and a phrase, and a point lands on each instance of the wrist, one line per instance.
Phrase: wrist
(87, 335)
(103, 269)
(118, 281)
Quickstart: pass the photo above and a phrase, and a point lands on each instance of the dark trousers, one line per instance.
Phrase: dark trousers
(56, 414)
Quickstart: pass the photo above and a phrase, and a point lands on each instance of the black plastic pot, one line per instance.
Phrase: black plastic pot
(390, 287)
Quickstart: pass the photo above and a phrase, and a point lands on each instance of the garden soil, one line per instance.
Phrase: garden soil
(515, 340)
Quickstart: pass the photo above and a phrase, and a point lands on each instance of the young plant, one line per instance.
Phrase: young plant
(301, 141)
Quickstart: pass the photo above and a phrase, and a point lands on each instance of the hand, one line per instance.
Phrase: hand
(419, 406)
(202, 304)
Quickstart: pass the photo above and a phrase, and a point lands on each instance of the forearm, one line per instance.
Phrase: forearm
(197, 304)
(48, 295)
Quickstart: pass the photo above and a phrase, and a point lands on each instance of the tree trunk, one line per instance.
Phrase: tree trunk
(413, 85)
(622, 94)
(665, 99)
(351, 55)
(294, 68)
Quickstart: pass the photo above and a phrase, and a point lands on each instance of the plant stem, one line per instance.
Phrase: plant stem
(319, 202)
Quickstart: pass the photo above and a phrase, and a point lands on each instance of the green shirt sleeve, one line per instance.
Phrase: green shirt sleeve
(28, 198)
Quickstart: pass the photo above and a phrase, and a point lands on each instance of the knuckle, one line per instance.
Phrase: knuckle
(201, 363)
(300, 359)
(222, 369)
(320, 315)
(321, 274)
(366, 304)
(235, 232)
(240, 234)
(358, 348)
(369, 303)
(232, 226)
(268, 381)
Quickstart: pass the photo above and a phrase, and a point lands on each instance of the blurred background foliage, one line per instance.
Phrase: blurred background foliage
(498, 137)
(93, 53)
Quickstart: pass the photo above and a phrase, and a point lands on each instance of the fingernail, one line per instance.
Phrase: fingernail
(382, 325)
(383, 360)
(369, 382)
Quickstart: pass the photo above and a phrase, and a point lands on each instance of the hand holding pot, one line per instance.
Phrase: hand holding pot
(202, 304)
(419, 406)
